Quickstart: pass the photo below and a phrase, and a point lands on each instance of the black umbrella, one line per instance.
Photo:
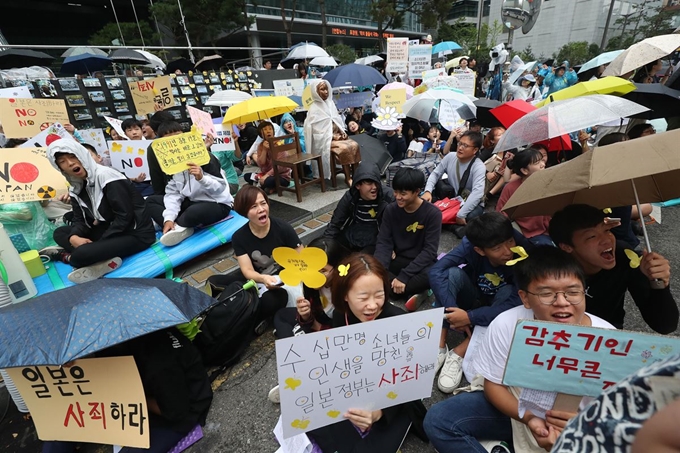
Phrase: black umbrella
(662, 101)
(484, 117)
(182, 64)
(20, 58)
(128, 56)
(373, 151)
(211, 62)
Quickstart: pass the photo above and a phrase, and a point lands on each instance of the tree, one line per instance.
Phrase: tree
(576, 52)
(130, 31)
(465, 34)
(389, 14)
(527, 54)
(288, 25)
(324, 23)
(343, 53)
(646, 21)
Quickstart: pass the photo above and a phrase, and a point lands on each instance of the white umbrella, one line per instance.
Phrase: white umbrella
(227, 98)
(421, 106)
(154, 61)
(73, 51)
(306, 51)
(603, 58)
(369, 60)
(563, 117)
(324, 61)
(641, 53)
(519, 71)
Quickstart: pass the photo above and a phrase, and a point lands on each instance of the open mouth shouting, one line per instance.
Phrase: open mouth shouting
(608, 255)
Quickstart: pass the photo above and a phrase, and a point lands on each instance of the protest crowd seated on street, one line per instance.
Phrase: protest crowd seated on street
(483, 195)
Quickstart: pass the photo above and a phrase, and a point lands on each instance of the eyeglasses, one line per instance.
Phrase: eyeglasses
(464, 145)
(573, 296)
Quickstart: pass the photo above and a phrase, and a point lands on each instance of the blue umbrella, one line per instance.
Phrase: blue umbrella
(354, 75)
(64, 325)
(84, 63)
(446, 45)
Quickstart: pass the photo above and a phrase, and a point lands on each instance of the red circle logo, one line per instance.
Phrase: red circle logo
(24, 172)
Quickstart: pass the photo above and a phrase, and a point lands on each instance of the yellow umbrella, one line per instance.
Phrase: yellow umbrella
(454, 62)
(256, 109)
(614, 86)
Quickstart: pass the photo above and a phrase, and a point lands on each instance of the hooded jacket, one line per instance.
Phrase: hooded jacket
(345, 212)
(106, 196)
(287, 117)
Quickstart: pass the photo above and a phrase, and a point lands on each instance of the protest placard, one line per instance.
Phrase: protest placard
(579, 360)
(224, 139)
(147, 93)
(96, 138)
(449, 117)
(307, 100)
(23, 117)
(393, 98)
(27, 175)
(288, 87)
(174, 152)
(130, 157)
(349, 100)
(202, 120)
(116, 124)
(16, 92)
(419, 60)
(465, 81)
(370, 366)
(432, 73)
(95, 400)
(397, 55)
(40, 140)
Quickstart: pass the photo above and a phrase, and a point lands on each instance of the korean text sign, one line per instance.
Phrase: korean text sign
(174, 152)
(95, 400)
(202, 120)
(397, 55)
(370, 366)
(419, 60)
(465, 81)
(28, 117)
(579, 360)
(146, 93)
(27, 175)
(129, 157)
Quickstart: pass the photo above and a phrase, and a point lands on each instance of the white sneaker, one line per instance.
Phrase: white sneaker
(274, 395)
(451, 374)
(441, 358)
(175, 236)
(94, 271)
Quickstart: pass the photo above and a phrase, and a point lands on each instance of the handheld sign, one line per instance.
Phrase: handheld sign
(95, 400)
(27, 175)
(22, 117)
(16, 92)
(579, 360)
(465, 81)
(393, 98)
(150, 92)
(370, 366)
(40, 140)
(130, 157)
(202, 120)
(419, 60)
(174, 152)
(304, 266)
(117, 126)
(397, 55)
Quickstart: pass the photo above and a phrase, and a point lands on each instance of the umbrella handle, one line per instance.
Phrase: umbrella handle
(656, 283)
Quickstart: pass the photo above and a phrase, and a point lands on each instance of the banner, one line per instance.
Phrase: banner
(465, 81)
(369, 366)
(349, 100)
(397, 55)
(150, 92)
(95, 400)
(174, 152)
(393, 98)
(202, 120)
(130, 157)
(22, 117)
(578, 360)
(419, 60)
(27, 175)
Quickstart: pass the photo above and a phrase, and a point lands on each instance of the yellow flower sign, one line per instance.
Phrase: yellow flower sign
(301, 267)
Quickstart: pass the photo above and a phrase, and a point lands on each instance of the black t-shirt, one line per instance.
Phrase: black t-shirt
(259, 250)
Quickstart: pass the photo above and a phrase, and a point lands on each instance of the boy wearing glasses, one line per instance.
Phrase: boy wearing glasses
(612, 269)
(552, 288)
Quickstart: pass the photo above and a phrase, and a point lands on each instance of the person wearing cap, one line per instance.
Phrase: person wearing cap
(525, 90)
(560, 78)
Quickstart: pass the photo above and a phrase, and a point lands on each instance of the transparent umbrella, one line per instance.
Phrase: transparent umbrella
(421, 106)
(563, 117)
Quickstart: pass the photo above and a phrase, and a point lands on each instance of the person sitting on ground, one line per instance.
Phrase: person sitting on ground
(197, 196)
(357, 217)
(408, 240)
(640, 130)
(360, 296)
(250, 155)
(109, 219)
(585, 232)
(552, 287)
(158, 178)
(474, 284)
(132, 129)
(354, 128)
(265, 177)
(434, 143)
(228, 160)
(524, 164)
(289, 126)
(246, 134)
(393, 139)
(253, 245)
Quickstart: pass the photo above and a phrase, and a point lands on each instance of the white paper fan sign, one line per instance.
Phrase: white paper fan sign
(448, 117)
(387, 119)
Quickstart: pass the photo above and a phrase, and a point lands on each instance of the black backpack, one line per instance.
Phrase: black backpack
(229, 327)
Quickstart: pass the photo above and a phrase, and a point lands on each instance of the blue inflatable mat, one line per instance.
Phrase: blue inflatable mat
(154, 261)
(668, 203)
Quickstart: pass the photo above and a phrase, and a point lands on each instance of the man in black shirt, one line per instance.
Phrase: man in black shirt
(584, 232)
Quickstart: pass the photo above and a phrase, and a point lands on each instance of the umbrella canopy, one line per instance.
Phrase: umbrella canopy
(526, 67)
(615, 86)
(324, 61)
(305, 51)
(227, 98)
(256, 109)
(484, 116)
(641, 53)
(446, 45)
(563, 117)
(602, 178)
(73, 51)
(211, 62)
(84, 64)
(182, 64)
(455, 62)
(373, 150)
(64, 325)
(354, 75)
(422, 106)
(128, 56)
(154, 61)
(20, 58)
(603, 58)
(662, 102)
(369, 60)
(511, 111)
(399, 86)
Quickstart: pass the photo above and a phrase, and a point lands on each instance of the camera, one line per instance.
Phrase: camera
(494, 54)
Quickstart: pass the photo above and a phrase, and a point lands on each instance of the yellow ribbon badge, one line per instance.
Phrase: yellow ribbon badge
(634, 258)
(414, 227)
(522, 255)
(343, 269)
